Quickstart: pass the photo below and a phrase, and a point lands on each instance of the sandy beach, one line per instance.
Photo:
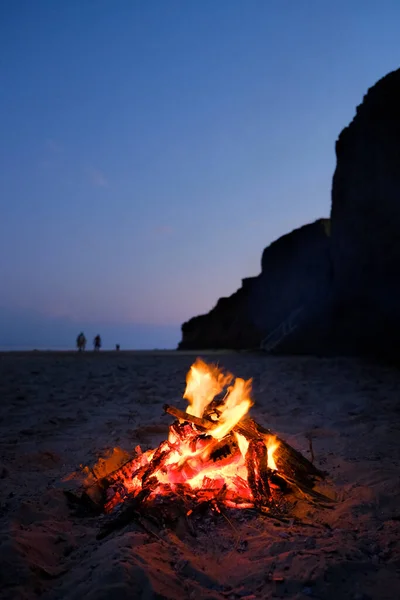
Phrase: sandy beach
(61, 410)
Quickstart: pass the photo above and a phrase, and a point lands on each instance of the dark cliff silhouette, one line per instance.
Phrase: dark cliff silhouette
(295, 272)
(366, 223)
(331, 286)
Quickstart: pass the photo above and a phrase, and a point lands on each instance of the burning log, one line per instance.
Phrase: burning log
(205, 424)
(158, 459)
(95, 494)
(129, 512)
(290, 460)
(224, 448)
(257, 468)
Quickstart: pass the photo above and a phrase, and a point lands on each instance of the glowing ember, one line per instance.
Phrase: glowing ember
(214, 451)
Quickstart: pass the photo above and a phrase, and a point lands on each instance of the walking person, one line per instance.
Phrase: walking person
(97, 343)
(81, 342)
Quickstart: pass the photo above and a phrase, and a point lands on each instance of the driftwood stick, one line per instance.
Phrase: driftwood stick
(181, 414)
(310, 444)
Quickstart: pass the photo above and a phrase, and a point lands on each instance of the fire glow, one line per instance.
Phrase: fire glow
(214, 453)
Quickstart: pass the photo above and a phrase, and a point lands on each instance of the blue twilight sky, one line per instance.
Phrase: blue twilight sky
(150, 149)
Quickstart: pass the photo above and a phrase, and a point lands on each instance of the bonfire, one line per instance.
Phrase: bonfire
(216, 455)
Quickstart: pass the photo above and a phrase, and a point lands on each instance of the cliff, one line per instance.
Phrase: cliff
(331, 286)
(295, 278)
(295, 272)
(227, 326)
(365, 219)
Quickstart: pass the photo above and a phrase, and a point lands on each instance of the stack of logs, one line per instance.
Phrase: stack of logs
(294, 473)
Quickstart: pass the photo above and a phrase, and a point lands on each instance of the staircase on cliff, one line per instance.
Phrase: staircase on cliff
(286, 328)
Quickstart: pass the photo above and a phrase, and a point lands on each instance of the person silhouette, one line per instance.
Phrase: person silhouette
(97, 343)
(81, 342)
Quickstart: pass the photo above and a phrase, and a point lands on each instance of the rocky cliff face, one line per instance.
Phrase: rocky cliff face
(365, 220)
(227, 326)
(344, 273)
(295, 273)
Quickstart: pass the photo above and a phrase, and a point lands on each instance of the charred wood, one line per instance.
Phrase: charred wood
(129, 511)
(288, 458)
(159, 457)
(257, 469)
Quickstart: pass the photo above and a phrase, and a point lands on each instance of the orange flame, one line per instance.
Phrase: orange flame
(272, 445)
(203, 383)
(236, 405)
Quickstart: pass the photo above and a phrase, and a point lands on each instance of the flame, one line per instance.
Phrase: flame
(206, 461)
(203, 383)
(242, 443)
(236, 405)
(272, 445)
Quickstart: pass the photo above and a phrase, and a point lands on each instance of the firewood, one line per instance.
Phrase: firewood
(223, 448)
(294, 458)
(159, 456)
(128, 514)
(257, 469)
(294, 470)
(95, 493)
(288, 458)
(308, 492)
(181, 414)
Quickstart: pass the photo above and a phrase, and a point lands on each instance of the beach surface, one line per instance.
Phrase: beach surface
(62, 410)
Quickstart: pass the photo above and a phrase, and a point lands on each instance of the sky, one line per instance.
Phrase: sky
(150, 150)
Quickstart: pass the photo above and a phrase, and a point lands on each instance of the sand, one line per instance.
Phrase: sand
(62, 410)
